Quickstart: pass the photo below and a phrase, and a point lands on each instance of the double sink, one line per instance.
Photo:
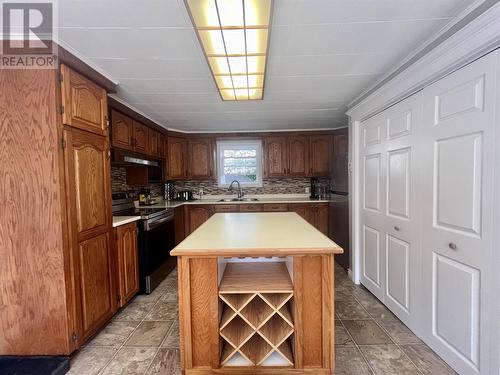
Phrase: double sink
(238, 200)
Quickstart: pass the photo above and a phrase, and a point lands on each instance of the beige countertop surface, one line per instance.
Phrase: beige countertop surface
(256, 234)
(121, 220)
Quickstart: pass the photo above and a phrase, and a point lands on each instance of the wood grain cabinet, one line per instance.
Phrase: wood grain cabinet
(121, 131)
(84, 104)
(275, 157)
(314, 213)
(197, 215)
(57, 249)
(154, 144)
(177, 158)
(201, 159)
(127, 262)
(141, 137)
(320, 156)
(297, 156)
(88, 189)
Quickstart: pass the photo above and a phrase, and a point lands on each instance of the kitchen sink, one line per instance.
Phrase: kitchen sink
(239, 200)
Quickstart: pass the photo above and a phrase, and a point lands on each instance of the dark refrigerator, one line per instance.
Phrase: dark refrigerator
(339, 187)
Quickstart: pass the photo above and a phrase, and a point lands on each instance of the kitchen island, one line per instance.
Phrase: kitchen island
(256, 296)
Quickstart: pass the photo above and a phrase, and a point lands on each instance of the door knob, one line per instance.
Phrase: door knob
(396, 228)
(452, 246)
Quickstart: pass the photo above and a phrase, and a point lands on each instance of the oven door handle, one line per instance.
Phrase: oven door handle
(156, 224)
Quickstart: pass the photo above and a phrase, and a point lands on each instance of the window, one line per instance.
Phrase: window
(241, 161)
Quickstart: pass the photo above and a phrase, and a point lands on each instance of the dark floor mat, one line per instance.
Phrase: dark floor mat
(10, 365)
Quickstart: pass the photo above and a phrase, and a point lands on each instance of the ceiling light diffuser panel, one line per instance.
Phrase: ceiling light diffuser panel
(234, 35)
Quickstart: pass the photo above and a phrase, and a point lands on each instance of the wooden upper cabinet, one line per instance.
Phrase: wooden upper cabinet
(89, 180)
(298, 151)
(201, 160)
(275, 156)
(340, 174)
(84, 104)
(320, 151)
(121, 131)
(128, 263)
(177, 154)
(141, 137)
(154, 143)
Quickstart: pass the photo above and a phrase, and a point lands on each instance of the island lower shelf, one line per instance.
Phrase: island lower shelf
(256, 326)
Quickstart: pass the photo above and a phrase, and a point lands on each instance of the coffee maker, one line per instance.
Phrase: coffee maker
(313, 188)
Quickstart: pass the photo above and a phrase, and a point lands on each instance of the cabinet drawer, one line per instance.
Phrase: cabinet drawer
(226, 208)
(276, 207)
(250, 207)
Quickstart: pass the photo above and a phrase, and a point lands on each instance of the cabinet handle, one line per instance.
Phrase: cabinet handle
(452, 246)
(396, 228)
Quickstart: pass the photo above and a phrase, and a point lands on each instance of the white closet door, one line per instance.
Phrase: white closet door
(372, 205)
(389, 225)
(458, 135)
(401, 242)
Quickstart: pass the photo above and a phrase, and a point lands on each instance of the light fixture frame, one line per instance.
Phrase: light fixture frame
(266, 55)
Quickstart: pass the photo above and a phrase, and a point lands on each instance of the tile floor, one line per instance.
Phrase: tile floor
(143, 338)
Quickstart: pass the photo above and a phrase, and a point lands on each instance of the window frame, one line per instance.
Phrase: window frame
(242, 144)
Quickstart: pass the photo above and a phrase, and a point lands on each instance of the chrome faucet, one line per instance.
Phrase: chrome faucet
(240, 191)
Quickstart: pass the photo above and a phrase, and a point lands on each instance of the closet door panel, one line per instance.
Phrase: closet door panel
(458, 128)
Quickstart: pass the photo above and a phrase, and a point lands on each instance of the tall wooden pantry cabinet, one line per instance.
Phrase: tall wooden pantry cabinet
(57, 283)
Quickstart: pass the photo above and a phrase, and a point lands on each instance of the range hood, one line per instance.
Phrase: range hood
(125, 158)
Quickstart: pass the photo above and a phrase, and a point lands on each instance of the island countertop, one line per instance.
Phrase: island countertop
(256, 234)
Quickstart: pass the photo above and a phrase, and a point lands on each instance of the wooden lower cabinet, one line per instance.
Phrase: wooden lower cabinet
(127, 262)
(197, 215)
(95, 284)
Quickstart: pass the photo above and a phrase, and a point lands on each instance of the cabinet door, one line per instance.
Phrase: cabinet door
(320, 147)
(88, 189)
(177, 150)
(128, 266)
(201, 158)
(95, 285)
(304, 210)
(84, 103)
(154, 143)
(275, 207)
(298, 151)
(276, 156)
(89, 182)
(141, 137)
(197, 216)
(121, 131)
(339, 175)
(321, 218)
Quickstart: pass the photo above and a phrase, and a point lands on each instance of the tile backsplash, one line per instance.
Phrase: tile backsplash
(119, 182)
(270, 185)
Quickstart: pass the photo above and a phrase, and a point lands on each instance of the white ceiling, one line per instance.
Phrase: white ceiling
(323, 53)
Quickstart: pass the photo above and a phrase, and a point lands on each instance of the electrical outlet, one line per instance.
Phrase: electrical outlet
(308, 190)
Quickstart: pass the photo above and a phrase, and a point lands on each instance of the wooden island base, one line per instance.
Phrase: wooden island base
(253, 310)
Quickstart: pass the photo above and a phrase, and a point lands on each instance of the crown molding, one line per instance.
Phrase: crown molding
(474, 40)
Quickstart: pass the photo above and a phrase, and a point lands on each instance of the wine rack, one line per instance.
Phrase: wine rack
(256, 326)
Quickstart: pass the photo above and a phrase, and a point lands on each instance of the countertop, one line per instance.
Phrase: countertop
(262, 199)
(256, 234)
(121, 220)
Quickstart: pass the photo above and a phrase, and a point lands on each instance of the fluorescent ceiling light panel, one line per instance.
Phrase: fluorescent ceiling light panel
(234, 35)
